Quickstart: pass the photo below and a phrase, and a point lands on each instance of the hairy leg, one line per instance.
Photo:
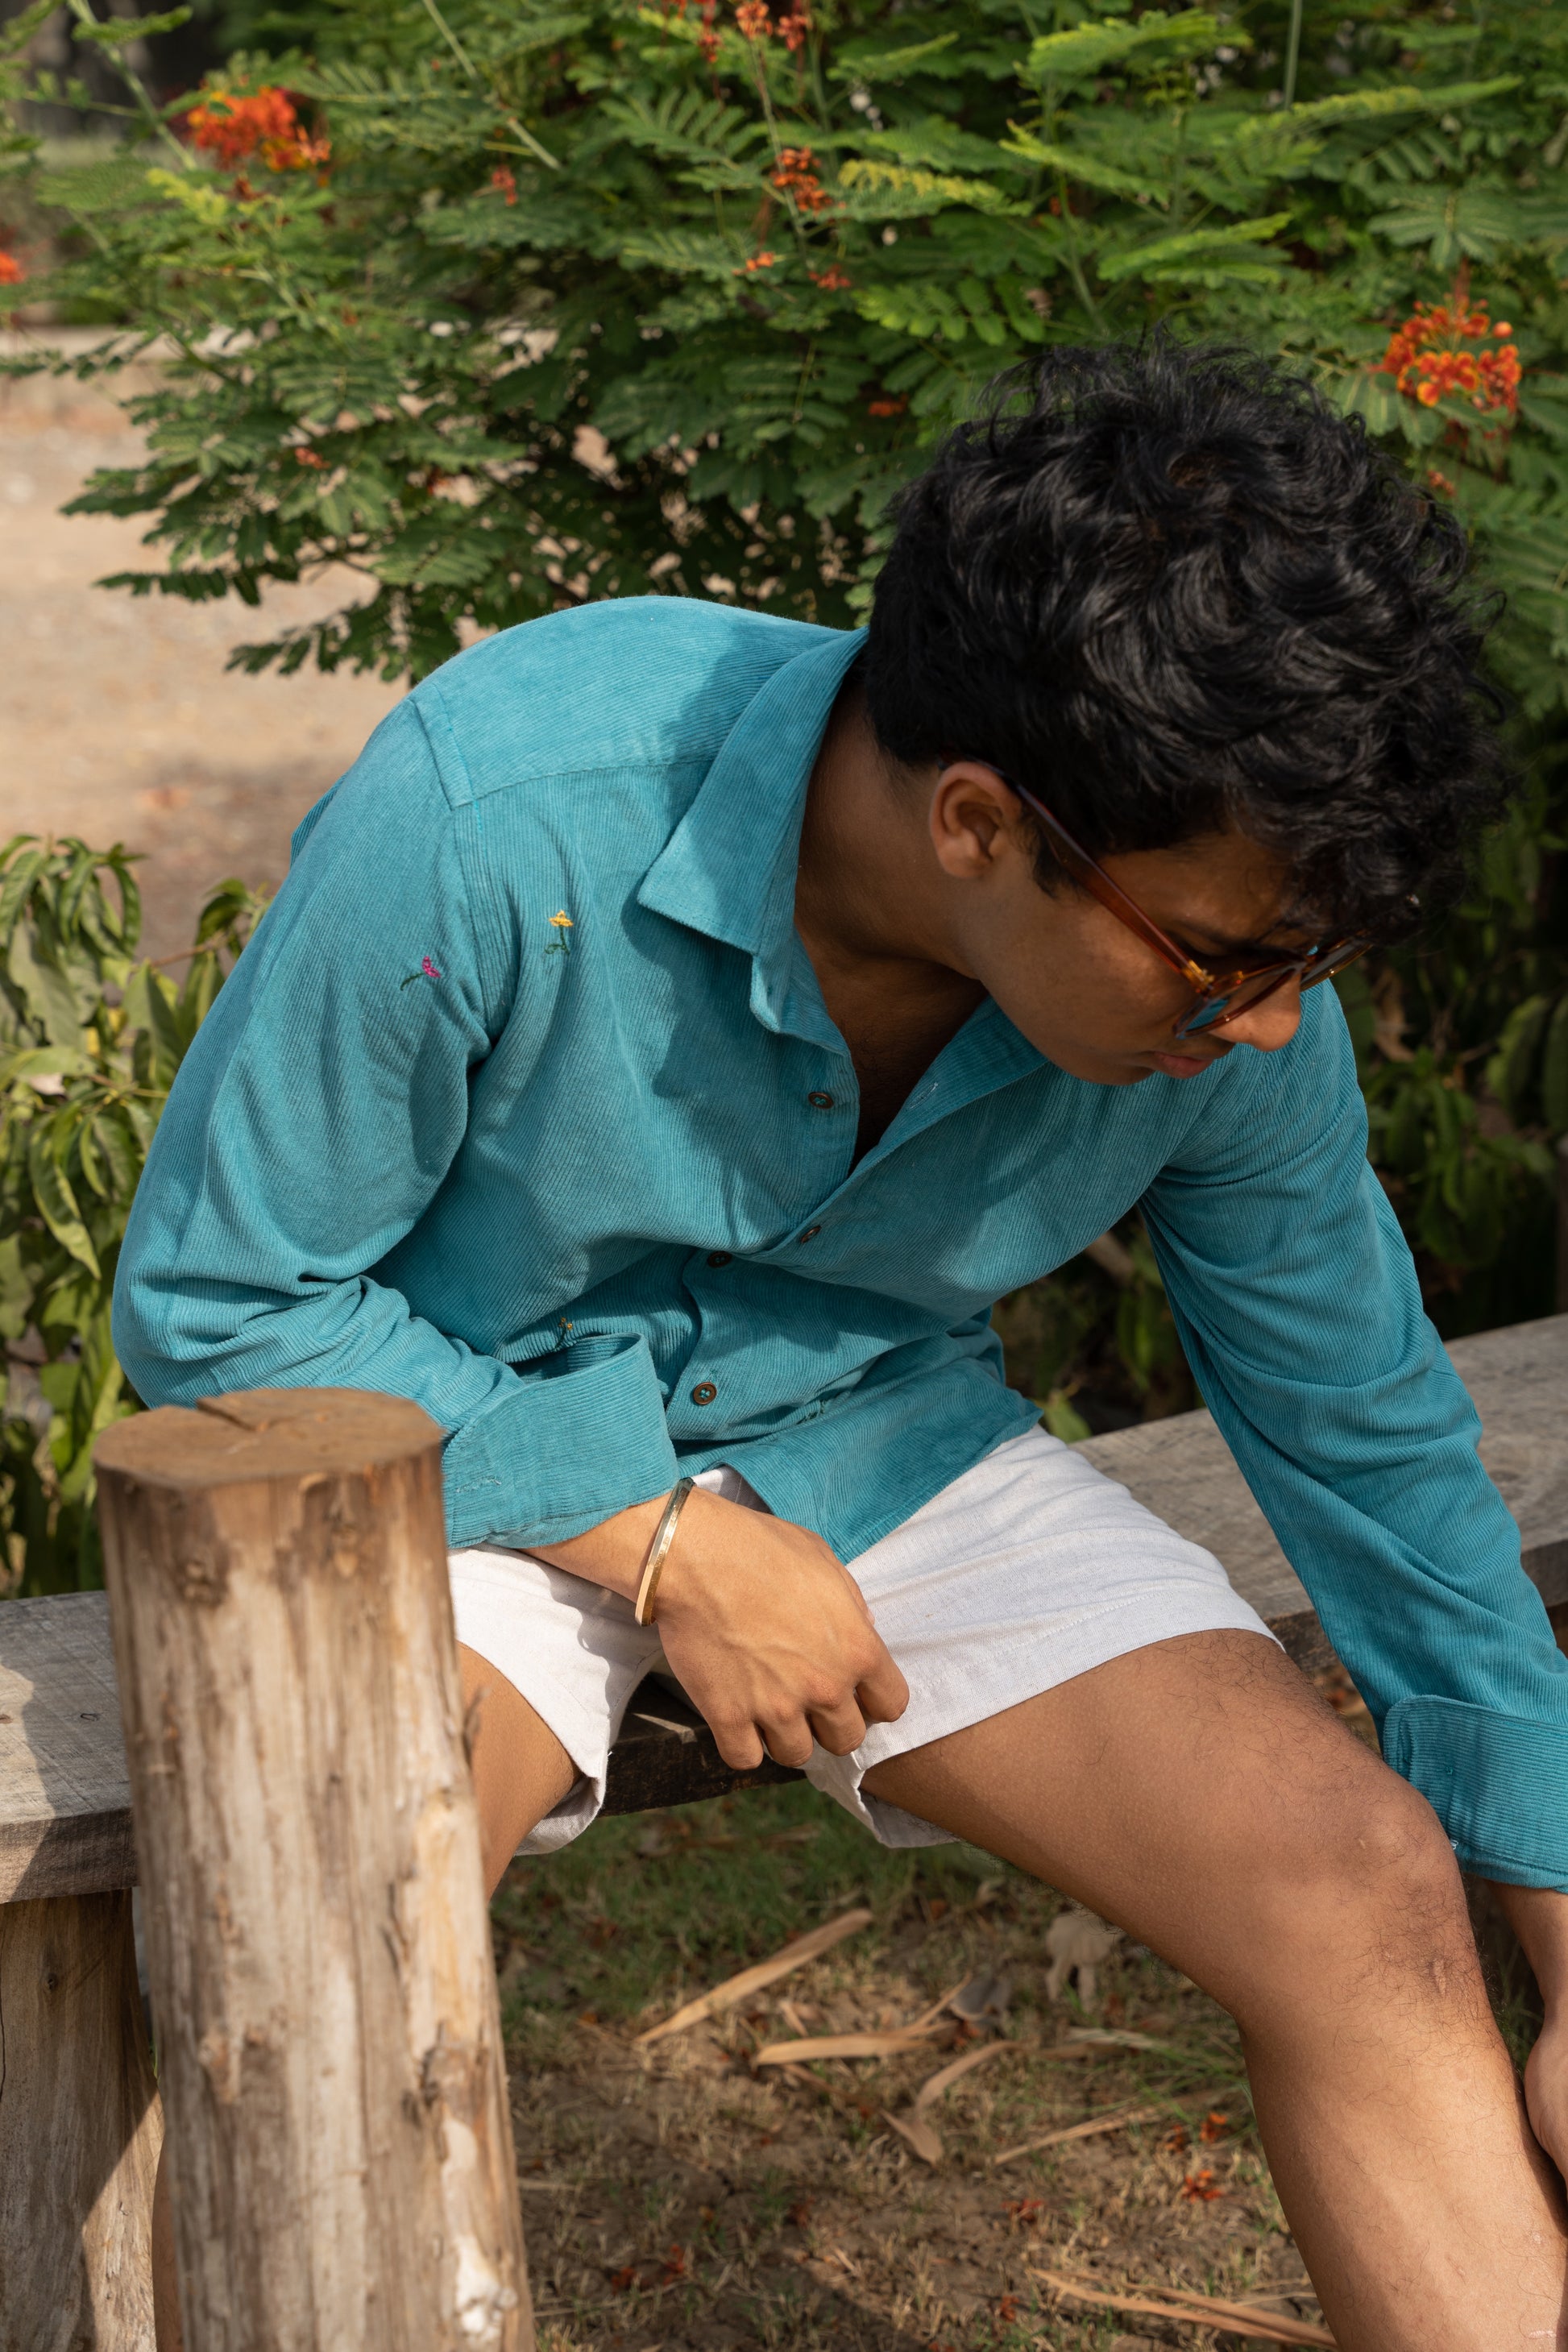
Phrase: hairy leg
(521, 1770)
(1199, 1794)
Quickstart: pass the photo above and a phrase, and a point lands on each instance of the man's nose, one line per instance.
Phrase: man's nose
(1270, 1024)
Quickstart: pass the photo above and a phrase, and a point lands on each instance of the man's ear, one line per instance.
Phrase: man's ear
(976, 820)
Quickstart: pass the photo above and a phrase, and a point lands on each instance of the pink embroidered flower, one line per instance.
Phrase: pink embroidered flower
(428, 969)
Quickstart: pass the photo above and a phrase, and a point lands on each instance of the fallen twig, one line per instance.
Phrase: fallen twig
(766, 1972)
(1114, 2121)
(1198, 2310)
(888, 2044)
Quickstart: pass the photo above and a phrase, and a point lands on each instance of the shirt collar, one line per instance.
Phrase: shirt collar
(728, 869)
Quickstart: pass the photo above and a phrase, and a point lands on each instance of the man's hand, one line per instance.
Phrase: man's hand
(767, 1632)
(1539, 1917)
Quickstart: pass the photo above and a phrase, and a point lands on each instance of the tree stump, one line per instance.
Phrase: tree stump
(330, 2053)
(79, 2129)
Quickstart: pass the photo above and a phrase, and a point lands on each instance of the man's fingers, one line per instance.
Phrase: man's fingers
(737, 1743)
(839, 1729)
(789, 1743)
(883, 1693)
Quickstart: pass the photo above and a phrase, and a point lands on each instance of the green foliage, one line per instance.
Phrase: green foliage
(565, 315)
(89, 1042)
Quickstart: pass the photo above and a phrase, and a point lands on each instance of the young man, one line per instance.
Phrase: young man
(679, 1028)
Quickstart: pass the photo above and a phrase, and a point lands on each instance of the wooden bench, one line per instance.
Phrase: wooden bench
(77, 2112)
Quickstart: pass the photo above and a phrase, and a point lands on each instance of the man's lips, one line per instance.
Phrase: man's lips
(1183, 1065)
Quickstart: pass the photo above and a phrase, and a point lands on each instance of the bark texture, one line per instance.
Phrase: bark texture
(329, 2043)
(79, 2129)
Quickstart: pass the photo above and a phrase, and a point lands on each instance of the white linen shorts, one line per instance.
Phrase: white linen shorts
(1031, 1567)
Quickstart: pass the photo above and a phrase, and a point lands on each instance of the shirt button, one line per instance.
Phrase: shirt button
(820, 1101)
(704, 1392)
(719, 1257)
(810, 1234)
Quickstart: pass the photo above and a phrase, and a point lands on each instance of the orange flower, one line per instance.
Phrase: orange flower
(1200, 2188)
(792, 30)
(11, 271)
(758, 261)
(708, 42)
(505, 179)
(894, 407)
(264, 122)
(1444, 351)
(832, 281)
(754, 20)
(794, 175)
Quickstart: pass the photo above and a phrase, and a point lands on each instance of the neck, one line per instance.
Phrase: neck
(868, 903)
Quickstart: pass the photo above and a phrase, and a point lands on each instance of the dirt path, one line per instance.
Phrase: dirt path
(118, 719)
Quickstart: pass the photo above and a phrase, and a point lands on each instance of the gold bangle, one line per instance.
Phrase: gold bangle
(664, 1537)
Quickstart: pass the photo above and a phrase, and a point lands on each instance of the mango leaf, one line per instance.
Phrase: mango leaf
(57, 1203)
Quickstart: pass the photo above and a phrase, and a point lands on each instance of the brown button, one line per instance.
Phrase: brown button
(820, 1101)
(704, 1392)
(719, 1257)
(810, 1234)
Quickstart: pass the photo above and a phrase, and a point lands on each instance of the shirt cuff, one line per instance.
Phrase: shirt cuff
(1498, 1783)
(577, 1440)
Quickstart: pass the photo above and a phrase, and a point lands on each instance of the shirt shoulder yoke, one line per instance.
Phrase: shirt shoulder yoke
(648, 683)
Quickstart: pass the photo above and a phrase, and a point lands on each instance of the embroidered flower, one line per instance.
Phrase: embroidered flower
(560, 923)
(426, 971)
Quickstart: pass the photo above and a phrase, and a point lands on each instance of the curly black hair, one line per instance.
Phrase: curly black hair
(1173, 591)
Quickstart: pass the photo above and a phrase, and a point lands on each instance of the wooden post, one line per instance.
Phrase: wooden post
(330, 2053)
(79, 2129)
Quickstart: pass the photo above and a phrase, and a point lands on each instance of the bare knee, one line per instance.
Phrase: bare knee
(1363, 1903)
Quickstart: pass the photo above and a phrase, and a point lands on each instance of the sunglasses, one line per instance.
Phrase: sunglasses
(1218, 997)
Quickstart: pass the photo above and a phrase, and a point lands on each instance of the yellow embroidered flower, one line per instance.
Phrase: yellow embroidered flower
(561, 922)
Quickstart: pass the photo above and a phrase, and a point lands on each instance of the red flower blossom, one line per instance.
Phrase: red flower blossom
(1450, 351)
(754, 20)
(792, 30)
(11, 271)
(832, 281)
(758, 261)
(894, 407)
(505, 179)
(262, 122)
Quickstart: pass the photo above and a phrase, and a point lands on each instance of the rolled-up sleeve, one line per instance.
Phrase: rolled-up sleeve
(1300, 1312)
(320, 1107)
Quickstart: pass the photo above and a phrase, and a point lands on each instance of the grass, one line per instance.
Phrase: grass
(675, 2197)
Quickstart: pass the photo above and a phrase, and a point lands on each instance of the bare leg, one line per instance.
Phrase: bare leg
(1199, 1794)
(521, 1770)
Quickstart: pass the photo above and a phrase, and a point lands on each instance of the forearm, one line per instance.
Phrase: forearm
(1539, 1917)
(614, 1553)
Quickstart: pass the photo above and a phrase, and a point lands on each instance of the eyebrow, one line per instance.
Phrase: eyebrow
(1246, 949)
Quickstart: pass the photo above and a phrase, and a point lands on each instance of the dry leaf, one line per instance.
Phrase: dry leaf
(842, 2045)
(982, 1997)
(765, 1972)
(920, 2135)
(1198, 2311)
(1089, 2130)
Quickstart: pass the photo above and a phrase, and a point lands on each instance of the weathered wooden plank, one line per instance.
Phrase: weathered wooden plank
(80, 2127)
(65, 1797)
(1184, 1470)
(65, 1820)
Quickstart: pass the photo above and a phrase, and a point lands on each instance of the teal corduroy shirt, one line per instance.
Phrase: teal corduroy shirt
(582, 1188)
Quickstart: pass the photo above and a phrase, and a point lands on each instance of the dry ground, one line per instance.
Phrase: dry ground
(677, 2198)
(118, 719)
